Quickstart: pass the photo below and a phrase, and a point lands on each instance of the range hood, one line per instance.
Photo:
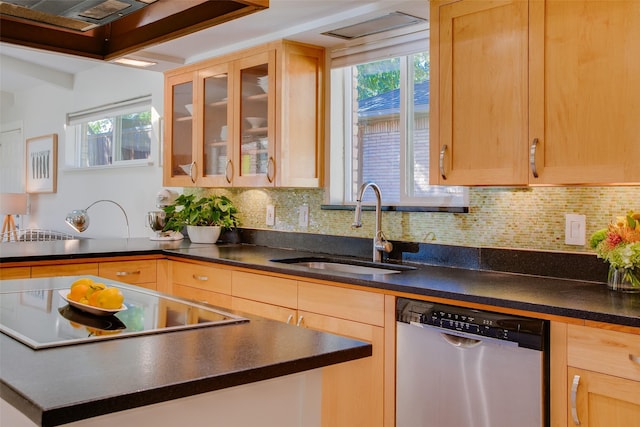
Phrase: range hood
(108, 29)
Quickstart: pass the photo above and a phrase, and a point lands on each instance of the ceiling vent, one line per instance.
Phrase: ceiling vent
(392, 21)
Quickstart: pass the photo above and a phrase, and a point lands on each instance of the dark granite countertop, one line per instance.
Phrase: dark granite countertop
(538, 294)
(63, 384)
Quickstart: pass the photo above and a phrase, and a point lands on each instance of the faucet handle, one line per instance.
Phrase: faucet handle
(382, 244)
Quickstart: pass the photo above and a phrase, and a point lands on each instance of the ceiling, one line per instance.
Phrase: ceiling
(302, 20)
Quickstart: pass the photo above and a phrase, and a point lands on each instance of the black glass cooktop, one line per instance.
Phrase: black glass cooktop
(42, 318)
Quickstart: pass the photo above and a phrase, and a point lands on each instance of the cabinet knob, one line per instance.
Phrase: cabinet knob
(442, 151)
(634, 358)
(300, 319)
(200, 278)
(532, 157)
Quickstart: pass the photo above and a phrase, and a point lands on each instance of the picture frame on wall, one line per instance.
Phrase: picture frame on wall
(42, 164)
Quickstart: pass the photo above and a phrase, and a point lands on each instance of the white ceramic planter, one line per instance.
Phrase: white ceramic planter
(204, 234)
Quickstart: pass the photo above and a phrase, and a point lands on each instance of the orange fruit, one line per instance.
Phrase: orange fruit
(110, 298)
(78, 292)
(82, 281)
(93, 298)
(94, 287)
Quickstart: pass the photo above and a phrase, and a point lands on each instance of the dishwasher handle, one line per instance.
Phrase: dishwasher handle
(463, 339)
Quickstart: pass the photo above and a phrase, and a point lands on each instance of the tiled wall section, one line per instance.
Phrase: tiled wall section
(523, 218)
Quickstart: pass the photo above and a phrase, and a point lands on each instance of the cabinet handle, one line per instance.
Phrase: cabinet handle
(226, 171)
(127, 273)
(289, 319)
(442, 151)
(299, 320)
(532, 157)
(574, 393)
(271, 169)
(193, 166)
(634, 358)
(201, 278)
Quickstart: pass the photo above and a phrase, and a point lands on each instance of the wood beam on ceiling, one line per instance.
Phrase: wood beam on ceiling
(159, 22)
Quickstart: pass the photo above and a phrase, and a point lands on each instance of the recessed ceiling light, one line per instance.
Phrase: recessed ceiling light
(134, 62)
(388, 22)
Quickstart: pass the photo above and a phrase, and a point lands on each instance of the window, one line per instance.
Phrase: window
(380, 128)
(118, 134)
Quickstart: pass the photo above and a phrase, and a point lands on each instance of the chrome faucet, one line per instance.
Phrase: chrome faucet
(380, 243)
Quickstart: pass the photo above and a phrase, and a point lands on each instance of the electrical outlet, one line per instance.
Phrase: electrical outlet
(303, 216)
(574, 229)
(271, 215)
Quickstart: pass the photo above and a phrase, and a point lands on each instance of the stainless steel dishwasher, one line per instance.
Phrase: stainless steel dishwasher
(459, 367)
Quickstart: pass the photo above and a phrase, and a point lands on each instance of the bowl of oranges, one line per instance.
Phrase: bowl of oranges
(93, 297)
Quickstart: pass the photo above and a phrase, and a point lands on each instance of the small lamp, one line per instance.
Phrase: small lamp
(12, 204)
(79, 219)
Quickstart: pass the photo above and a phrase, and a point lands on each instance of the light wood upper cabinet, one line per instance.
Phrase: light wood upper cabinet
(179, 135)
(585, 91)
(539, 92)
(479, 65)
(240, 120)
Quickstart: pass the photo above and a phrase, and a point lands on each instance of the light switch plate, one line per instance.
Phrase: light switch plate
(303, 216)
(574, 229)
(271, 215)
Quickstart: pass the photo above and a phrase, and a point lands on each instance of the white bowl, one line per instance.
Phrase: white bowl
(189, 108)
(256, 122)
(264, 84)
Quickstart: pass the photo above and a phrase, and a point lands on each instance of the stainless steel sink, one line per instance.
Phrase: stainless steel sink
(345, 266)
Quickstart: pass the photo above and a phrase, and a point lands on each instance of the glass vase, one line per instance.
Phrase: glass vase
(624, 279)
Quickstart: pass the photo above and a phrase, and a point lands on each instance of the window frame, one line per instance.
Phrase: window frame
(340, 159)
(76, 128)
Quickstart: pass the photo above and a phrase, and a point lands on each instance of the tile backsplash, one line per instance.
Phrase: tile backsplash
(522, 218)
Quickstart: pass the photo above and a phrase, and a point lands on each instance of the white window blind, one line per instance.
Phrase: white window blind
(120, 108)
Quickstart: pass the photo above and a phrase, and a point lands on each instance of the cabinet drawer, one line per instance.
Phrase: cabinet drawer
(201, 295)
(601, 350)
(132, 272)
(201, 277)
(15, 272)
(272, 290)
(269, 311)
(65, 270)
(350, 304)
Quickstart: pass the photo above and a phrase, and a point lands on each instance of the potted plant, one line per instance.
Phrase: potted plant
(204, 217)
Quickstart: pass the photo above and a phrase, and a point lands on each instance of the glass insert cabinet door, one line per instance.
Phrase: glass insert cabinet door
(216, 149)
(181, 159)
(256, 163)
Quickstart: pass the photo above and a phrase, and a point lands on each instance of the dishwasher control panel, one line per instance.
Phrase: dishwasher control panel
(527, 332)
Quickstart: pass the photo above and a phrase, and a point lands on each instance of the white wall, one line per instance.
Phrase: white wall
(42, 110)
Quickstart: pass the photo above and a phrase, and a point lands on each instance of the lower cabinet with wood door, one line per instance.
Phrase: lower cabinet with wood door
(353, 393)
(603, 377)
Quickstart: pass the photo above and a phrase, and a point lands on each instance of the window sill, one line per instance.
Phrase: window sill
(394, 208)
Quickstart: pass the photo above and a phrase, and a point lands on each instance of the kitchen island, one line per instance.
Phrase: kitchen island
(208, 372)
